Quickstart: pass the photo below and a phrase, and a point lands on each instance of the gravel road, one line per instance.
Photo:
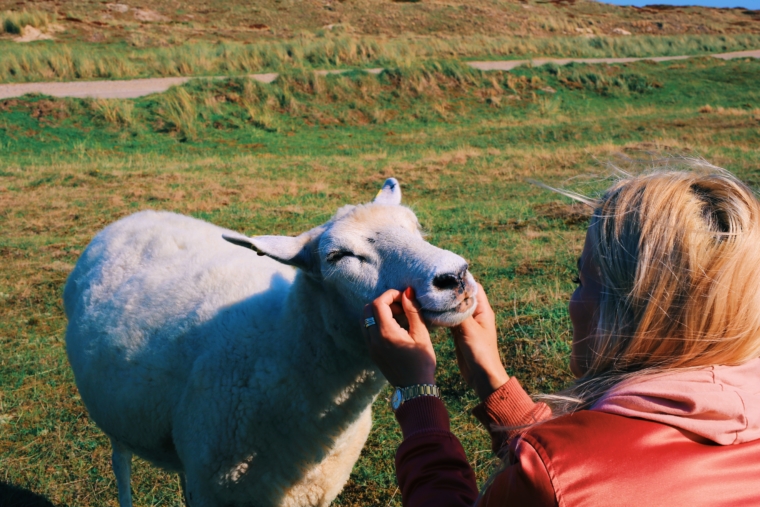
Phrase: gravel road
(132, 88)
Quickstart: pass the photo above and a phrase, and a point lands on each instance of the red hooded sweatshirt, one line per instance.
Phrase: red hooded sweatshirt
(685, 438)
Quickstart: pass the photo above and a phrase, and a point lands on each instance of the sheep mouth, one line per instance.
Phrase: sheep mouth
(462, 308)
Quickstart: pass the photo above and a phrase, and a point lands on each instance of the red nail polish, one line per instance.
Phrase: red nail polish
(409, 292)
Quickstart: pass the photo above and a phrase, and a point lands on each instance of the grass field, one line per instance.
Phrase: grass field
(281, 158)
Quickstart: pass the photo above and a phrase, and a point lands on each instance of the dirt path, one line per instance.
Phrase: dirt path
(132, 88)
(509, 65)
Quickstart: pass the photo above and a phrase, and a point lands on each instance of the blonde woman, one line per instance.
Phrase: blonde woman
(666, 341)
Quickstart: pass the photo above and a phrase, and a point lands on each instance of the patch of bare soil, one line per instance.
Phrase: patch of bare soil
(563, 3)
(7, 105)
(572, 214)
(510, 224)
(120, 8)
(30, 34)
(532, 267)
(47, 109)
(150, 16)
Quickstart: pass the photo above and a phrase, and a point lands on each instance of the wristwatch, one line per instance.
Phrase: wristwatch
(403, 394)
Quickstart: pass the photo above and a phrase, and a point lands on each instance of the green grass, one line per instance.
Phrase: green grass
(82, 61)
(283, 157)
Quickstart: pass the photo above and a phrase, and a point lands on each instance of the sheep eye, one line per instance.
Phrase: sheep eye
(337, 255)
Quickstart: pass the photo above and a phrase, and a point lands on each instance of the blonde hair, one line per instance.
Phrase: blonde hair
(678, 255)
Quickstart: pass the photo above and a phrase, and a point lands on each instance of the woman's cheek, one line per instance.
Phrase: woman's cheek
(581, 318)
(573, 309)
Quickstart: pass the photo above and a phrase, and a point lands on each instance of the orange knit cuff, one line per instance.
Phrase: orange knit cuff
(510, 406)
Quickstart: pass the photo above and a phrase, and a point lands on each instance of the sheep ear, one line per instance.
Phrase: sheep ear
(293, 251)
(390, 193)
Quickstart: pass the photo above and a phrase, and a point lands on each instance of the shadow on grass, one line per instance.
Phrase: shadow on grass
(14, 496)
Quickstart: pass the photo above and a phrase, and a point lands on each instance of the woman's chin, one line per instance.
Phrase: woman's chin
(576, 370)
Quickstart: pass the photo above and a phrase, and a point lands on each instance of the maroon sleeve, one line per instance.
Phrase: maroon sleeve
(431, 465)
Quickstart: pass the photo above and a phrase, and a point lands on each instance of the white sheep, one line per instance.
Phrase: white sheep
(248, 377)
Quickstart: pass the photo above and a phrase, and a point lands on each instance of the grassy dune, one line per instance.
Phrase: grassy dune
(113, 40)
(75, 61)
(282, 157)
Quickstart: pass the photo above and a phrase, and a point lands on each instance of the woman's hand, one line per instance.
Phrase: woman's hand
(477, 349)
(405, 357)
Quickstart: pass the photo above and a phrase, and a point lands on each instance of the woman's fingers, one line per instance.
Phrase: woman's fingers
(484, 307)
(387, 326)
(482, 319)
(462, 361)
(404, 358)
(417, 328)
(387, 309)
(481, 296)
(382, 304)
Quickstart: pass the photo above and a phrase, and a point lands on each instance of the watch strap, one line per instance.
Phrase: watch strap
(404, 394)
(415, 391)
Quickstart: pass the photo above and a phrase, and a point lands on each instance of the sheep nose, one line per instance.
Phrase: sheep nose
(449, 281)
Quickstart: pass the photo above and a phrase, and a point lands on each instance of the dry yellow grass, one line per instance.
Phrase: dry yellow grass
(730, 111)
(114, 112)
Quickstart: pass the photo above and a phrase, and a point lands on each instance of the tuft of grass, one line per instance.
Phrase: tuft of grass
(608, 83)
(549, 105)
(114, 112)
(176, 112)
(13, 22)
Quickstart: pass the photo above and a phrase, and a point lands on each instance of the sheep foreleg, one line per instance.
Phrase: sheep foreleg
(122, 468)
(183, 483)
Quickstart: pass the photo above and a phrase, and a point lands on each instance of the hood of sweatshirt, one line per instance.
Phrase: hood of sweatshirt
(720, 403)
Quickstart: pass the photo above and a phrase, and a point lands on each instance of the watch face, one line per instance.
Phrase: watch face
(396, 399)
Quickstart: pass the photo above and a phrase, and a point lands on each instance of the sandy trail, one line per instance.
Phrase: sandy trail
(132, 88)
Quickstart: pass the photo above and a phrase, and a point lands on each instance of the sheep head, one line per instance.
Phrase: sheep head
(367, 249)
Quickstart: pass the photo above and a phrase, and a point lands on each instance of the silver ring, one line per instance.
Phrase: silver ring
(369, 322)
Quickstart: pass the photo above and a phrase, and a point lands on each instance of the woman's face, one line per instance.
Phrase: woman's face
(583, 309)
